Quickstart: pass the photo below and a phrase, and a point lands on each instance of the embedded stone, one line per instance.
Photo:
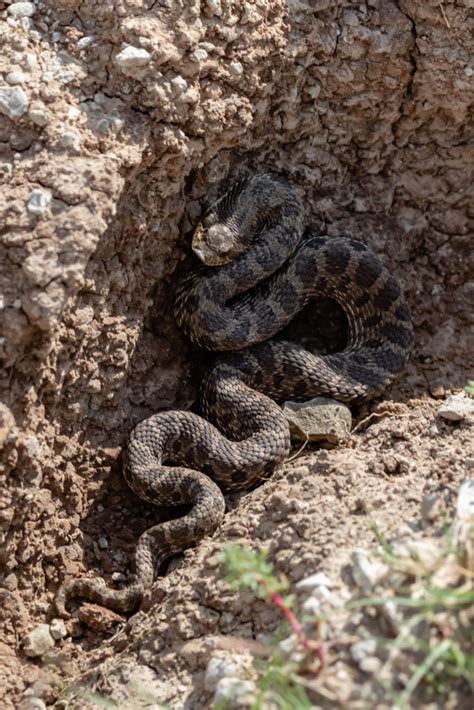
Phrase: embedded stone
(13, 102)
(319, 419)
(457, 407)
(38, 642)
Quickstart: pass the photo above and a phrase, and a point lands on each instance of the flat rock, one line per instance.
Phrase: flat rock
(319, 419)
(457, 407)
(38, 642)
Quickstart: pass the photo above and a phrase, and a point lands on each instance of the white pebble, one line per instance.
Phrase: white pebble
(214, 6)
(13, 102)
(71, 140)
(132, 58)
(179, 85)
(22, 9)
(457, 407)
(84, 42)
(315, 580)
(219, 667)
(31, 61)
(234, 692)
(314, 91)
(198, 56)
(39, 116)
(57, 629)
(465, 502)
(236, 69)
(312, 606)
(366, 570)
(371, 664)
(39, 201)
(103, 543)
(16, 77)
(362, 649)
(38, 642)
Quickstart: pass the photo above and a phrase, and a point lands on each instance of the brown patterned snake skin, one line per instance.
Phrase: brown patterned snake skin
(258, 275)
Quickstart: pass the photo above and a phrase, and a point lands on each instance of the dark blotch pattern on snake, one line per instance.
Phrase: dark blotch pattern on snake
(259, 273)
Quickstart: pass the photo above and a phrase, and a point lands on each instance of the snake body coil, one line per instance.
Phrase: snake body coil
(258, 275)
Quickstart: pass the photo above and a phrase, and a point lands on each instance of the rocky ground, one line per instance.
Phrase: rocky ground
(118, 121)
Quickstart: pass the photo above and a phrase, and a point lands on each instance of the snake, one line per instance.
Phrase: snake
(258, 268)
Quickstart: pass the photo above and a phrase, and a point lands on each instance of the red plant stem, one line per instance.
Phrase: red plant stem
(309, 647)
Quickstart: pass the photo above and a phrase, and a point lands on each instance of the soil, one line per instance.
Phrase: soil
(120, 121)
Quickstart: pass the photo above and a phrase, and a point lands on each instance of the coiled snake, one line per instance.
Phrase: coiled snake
(258, 275)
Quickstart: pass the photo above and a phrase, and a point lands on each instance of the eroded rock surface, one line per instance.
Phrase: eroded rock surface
(118, 121)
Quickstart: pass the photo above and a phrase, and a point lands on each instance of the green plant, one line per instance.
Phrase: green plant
(280, 675)
(469, 388)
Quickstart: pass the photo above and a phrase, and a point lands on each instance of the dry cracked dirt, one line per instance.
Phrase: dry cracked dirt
(119, 121)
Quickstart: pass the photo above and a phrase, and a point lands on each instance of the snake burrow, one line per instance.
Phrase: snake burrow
(259, 273)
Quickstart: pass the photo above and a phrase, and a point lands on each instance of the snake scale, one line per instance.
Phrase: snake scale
(258, 273)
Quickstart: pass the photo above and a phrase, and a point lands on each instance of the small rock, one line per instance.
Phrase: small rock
(367, 571)
(236, 69)
(57, 629)
(433, 430)
(465, 502)
(103, 543)
(363, 649)
(318, 419)
(219, 667)
(430, 507)
(71, 141)
(31, 61)
(215, 7)
(457, 407)
(288, 645)
(132, 58)
(315, 580)
(178, 85)
(199, 55)
(22, 9)
(11, 582)
(39, 116)
(98, 618)
(235, 693)
(84, 42)
(438, 391)
(312, 606)
(371, 664)
(13, 102)
(425, 551)
(16, 77)
(38, 642)
(39, 201)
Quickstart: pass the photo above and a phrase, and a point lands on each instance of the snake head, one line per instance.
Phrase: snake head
(215, 243)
